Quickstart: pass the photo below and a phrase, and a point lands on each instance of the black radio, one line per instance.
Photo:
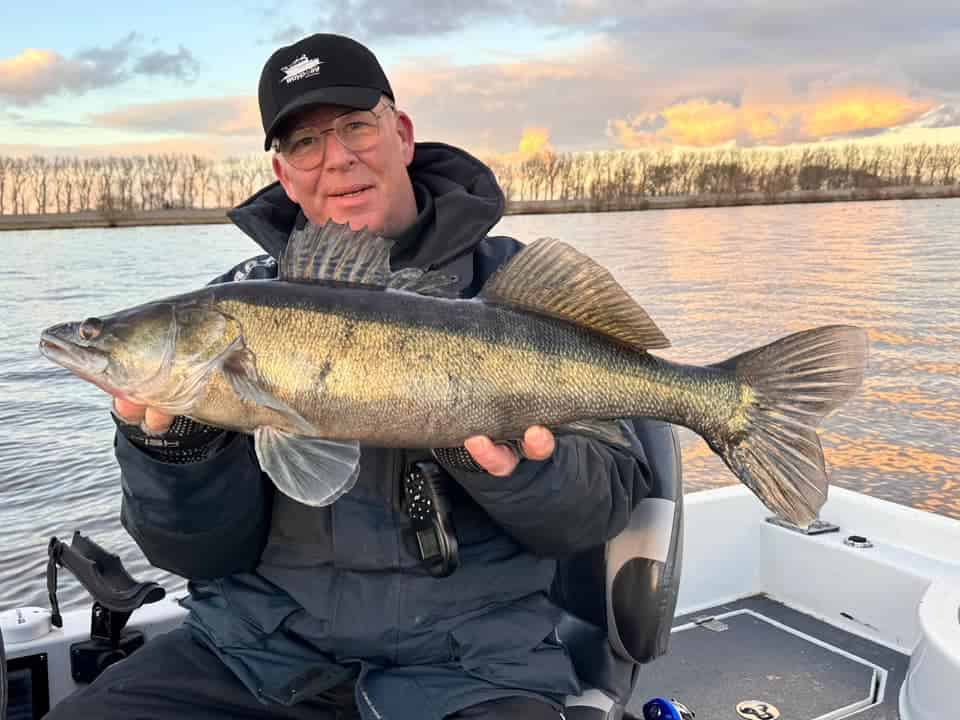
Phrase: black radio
(427, 502)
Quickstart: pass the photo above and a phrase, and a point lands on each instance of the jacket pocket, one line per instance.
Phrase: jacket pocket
(240, 611)
(516, 646)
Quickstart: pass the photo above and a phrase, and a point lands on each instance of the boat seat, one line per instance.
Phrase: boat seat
(620, 598)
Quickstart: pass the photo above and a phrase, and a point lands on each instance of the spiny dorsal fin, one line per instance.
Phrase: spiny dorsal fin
(337, 253)
(551, 278)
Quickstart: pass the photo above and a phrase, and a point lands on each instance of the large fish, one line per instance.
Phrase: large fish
(340, 350)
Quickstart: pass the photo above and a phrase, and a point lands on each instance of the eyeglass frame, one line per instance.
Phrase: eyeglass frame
(277, 142)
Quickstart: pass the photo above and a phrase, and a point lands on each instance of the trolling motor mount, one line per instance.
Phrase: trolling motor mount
(116, 595)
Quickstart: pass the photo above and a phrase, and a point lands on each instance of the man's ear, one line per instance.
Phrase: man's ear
(405, 132)
(280, 170)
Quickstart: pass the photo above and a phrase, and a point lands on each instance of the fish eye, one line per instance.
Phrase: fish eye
(90, 328)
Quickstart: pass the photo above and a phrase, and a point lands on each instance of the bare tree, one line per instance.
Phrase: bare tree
(202, 173)
(922, 155)
(4, 164)
(18, 178)
(39, 175)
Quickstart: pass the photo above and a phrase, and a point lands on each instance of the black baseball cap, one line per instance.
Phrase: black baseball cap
(318, 70)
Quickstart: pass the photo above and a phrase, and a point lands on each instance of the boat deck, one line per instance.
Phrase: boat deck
(760, 650)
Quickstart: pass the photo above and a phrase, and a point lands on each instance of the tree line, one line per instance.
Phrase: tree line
(41, 184)
(622, 175)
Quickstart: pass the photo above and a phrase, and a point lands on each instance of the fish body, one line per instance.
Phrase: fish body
(342, 351)
(396, 369)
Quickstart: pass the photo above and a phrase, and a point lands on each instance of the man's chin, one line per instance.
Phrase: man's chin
(359, 221)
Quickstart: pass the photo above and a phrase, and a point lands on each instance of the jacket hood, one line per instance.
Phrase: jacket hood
(458, 201)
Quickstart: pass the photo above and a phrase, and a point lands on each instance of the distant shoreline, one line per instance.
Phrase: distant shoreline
(196, 216)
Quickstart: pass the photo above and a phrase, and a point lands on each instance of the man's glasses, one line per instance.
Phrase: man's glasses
(357, 131)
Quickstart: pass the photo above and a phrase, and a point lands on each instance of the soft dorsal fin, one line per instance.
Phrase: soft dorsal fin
(551, 278)
(336, 253)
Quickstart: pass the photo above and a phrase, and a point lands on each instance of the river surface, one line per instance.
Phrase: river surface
(717, 282)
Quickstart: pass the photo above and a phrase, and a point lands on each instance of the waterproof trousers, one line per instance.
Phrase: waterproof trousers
(173, 677)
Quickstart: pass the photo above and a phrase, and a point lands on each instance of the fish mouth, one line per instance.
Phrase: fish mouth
(84, 360)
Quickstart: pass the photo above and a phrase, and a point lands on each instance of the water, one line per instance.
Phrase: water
(717, 282)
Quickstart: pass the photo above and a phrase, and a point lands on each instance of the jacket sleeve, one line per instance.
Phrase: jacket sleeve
(578, 498)
(200, 520)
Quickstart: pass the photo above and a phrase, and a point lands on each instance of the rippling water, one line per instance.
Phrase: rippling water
(717, 281)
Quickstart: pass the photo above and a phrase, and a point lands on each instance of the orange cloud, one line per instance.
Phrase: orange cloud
(21, 71)
(216, 116)
(705, 123)
(862, 109)
(535, 140)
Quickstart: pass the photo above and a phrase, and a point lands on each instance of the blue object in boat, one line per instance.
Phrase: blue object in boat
(663, 709)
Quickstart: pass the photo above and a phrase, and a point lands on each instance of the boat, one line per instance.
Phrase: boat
(858, 617)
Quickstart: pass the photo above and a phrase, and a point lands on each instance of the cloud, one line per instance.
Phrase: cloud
(385, 21)
(181, 64)
(35, 74)
(212, 116)
(601, 95)
(852, 112)
(31, 76)
(944, 116)
(750, 27)
(534, 141)
(288, 35)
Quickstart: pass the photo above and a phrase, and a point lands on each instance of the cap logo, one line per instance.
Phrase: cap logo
(300, 68)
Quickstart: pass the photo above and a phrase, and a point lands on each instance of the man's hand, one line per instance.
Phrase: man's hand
(498, 460)
(151, 419)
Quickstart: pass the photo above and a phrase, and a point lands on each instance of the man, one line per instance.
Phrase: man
(305, 612)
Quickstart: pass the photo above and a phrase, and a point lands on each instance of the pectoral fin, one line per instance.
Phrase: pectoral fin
(240, 370)
(310, 470)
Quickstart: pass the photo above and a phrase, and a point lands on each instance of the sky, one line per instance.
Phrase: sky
(493, 76)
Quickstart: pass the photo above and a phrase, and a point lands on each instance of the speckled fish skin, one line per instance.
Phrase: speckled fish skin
(398, 369)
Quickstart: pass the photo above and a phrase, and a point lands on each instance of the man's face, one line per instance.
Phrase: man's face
(363, 188)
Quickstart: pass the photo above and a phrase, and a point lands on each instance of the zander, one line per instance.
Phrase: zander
(340, 350)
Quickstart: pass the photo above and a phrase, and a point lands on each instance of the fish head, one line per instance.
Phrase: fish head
(155, 354)
(118, 353)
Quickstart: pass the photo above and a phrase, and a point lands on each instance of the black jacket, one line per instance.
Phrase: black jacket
(293, 598)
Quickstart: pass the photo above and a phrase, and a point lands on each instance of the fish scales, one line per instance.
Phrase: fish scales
(398, 369)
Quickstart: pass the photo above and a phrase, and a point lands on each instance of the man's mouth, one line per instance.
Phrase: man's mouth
(351, 192)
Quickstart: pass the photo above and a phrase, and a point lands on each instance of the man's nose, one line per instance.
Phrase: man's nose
(336, 154)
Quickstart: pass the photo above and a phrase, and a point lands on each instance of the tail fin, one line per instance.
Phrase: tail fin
(793, 384)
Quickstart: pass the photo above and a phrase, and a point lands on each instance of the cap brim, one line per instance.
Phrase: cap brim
(361, 98)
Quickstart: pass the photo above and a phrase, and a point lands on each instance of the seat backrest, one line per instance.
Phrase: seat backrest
(620, 598)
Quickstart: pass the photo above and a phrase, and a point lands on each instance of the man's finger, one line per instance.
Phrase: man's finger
(497, 460)
(129, 412)
(156, 421)
(538, 443)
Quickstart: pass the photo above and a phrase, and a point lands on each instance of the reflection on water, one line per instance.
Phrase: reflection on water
(717, 281)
